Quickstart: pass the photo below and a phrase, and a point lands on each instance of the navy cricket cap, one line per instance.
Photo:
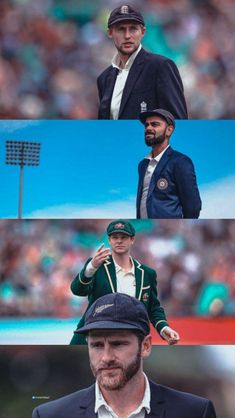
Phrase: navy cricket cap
(125, 12)
(116, 311)
(121, 226)
(169, 118)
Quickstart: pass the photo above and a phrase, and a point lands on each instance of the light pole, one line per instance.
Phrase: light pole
(22, 153)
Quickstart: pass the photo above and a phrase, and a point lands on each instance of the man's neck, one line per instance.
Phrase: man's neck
(126, 400)
(123, 59)
(157, 149)
(123, 260)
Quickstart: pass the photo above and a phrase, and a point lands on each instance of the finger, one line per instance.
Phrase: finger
(104, 251)
(100, 248)
(103, 258)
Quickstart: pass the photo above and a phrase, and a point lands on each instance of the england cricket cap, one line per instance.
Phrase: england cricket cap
(121, 226)
(125, 12)
(169, 118)
(116, 311)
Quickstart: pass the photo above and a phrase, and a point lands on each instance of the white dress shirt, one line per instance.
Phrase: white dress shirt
(105, 411)
(120, 81)
(125, 279)
(147, 178)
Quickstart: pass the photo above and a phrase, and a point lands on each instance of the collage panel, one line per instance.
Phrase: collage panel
(34, 375)
(182, 271)
(52, 53)
(95, 169)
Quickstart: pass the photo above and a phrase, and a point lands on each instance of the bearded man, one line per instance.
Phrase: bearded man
(167, 182)
(118, 334)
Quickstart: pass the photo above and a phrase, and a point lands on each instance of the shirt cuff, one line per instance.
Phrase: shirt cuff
(90, 270)
(163, 330)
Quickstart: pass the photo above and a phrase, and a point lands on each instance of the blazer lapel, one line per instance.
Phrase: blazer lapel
(143, 168)
(157, 401)
(133, 75)
(87, 404)
(159, 168)
(111, 273)
(139, 279)
(109, 86)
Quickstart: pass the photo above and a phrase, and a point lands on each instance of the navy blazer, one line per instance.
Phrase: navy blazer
(152, 79)
(165, 403)
(173, 191)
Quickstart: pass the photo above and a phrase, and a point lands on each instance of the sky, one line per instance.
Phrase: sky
(88, 169)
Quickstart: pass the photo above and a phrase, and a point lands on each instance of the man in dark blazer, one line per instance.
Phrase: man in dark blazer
(116, 271)
(117, 329)
(137, 80)
(167, 185)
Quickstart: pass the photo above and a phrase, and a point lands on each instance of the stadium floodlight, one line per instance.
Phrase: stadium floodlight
(22, 153)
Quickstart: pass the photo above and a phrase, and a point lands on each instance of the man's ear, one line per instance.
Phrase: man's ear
(169, 130)
(110, 33)
(143, 30)
(146, 346)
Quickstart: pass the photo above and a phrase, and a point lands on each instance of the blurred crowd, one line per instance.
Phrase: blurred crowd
(51, 53)
(195, 263)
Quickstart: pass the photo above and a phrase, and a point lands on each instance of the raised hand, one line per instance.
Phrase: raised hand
(101, 255)
(171, 336)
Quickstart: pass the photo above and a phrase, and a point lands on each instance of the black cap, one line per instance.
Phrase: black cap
(169, 118)
(125, 12)
(121, 226)
(116, 311)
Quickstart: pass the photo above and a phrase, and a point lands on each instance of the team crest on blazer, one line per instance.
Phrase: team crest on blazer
(143, 107)
(162, 184)
(145, 297)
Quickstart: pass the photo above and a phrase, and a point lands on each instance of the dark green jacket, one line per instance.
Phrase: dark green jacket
(104, 281)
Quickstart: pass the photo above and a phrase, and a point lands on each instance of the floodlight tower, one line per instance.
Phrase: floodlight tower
(22, 153)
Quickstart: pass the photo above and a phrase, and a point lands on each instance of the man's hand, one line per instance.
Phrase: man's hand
(101, 255)
(171, 336)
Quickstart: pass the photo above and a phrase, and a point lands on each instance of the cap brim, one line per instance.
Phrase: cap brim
(122, 19)
(144, 115)
(120, 230)
(107, 325)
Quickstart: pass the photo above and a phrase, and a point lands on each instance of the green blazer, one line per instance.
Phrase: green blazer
(105, 281)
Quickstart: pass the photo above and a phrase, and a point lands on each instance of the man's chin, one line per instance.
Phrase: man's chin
(151, 142)
(128, 50)
(111, 381)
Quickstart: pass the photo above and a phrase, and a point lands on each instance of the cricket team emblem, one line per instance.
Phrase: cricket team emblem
(162, 184)
(119, 225)
(102, 308)
(145, 297)
(143, 107)
(125, 9)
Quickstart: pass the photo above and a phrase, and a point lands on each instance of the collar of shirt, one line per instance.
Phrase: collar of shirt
(145, 403)
(116, 62)
(158, 157)
(119, 268)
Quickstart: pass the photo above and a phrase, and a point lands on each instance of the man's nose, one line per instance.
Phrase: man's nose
(127, 33)
(107, 353)
(148, 129)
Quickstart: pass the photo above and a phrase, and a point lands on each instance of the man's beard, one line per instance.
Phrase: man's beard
(119, 378)
(155, 140)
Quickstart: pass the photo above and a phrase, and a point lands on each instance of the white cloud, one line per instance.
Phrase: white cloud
(15, 125)
(218, 199)
(115, 209)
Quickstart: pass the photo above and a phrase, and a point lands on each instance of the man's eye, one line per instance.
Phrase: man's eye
(118, 343)
(96, 345)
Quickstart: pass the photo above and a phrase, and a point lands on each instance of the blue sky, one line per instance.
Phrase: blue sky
(88, 169)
